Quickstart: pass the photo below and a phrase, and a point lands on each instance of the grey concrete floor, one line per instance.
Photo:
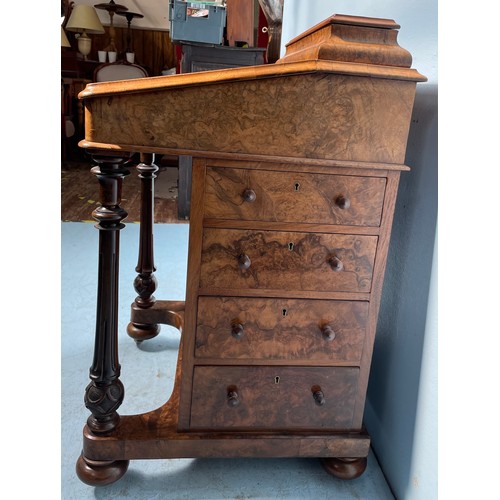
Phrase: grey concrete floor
(147, 374)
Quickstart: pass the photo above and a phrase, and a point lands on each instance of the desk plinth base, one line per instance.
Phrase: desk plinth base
(154, 436)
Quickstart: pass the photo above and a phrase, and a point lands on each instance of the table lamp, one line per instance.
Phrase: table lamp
(64, 39)
(84, 20)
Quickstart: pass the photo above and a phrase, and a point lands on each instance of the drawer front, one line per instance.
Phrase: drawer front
(254, 328)
(258, 397)
(239, 194)
(287, 260)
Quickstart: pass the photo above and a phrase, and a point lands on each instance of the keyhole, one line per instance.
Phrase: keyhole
(296, 186)
(284, 312)
(276, 380)
(290, 246)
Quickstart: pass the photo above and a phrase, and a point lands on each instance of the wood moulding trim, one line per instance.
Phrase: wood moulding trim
(219, 76)
(285, 294)
(206, 361)
(294, 227)
(215, 155)
(334, 167)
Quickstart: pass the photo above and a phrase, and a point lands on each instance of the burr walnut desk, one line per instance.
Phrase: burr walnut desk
(295, 174)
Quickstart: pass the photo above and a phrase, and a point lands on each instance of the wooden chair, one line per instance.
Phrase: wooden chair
(121, 70)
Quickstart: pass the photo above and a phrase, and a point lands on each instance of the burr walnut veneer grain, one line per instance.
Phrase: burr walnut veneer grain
(296, 330)
(295, 173)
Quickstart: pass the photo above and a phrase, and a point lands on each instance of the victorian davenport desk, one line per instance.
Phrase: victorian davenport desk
(295, 172)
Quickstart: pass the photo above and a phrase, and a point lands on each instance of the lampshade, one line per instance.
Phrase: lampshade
(84, 18)
(64, 39)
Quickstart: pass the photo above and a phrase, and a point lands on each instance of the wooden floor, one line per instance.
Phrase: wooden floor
(80, 195)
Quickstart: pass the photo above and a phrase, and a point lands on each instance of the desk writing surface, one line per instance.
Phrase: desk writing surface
(319, 109)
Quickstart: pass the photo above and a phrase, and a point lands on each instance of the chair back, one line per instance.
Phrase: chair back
(109, 72)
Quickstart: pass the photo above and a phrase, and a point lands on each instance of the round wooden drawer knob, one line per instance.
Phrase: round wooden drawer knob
(237, 329)
(233, 398)
(328, 332)
(335, 263)
(342, 202)
(244, 261)
(249, 195)
(319, 397)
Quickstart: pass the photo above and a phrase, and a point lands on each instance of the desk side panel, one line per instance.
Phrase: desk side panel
(319, 116)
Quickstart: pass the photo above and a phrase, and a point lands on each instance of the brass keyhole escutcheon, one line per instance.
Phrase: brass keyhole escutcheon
(276, 380)
(290, 246)
(284, 312)
(296, 186)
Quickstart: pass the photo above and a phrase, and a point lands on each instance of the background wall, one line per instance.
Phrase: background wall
(401, 409)
(148, 37)
(418, 20)
(155, 12)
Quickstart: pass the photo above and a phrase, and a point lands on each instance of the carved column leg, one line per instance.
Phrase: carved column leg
(145, 283)
(105, 392)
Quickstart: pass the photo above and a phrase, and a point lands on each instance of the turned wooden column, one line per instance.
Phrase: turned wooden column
(105, 392)
(145, 283)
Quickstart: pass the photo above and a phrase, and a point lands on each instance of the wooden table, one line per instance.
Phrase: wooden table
(295, 174)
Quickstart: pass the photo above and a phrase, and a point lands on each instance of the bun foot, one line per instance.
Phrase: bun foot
(100, 473)
(345, 468)
(141, 332)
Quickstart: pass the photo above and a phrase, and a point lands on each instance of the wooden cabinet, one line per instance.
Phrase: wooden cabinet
(267, 294)
(295, 173)
(199, 57)
(285, 273)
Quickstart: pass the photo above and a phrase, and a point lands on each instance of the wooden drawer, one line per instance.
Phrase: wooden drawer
(239, 194)
(287, 260)
(254, 328)
(280, 397)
